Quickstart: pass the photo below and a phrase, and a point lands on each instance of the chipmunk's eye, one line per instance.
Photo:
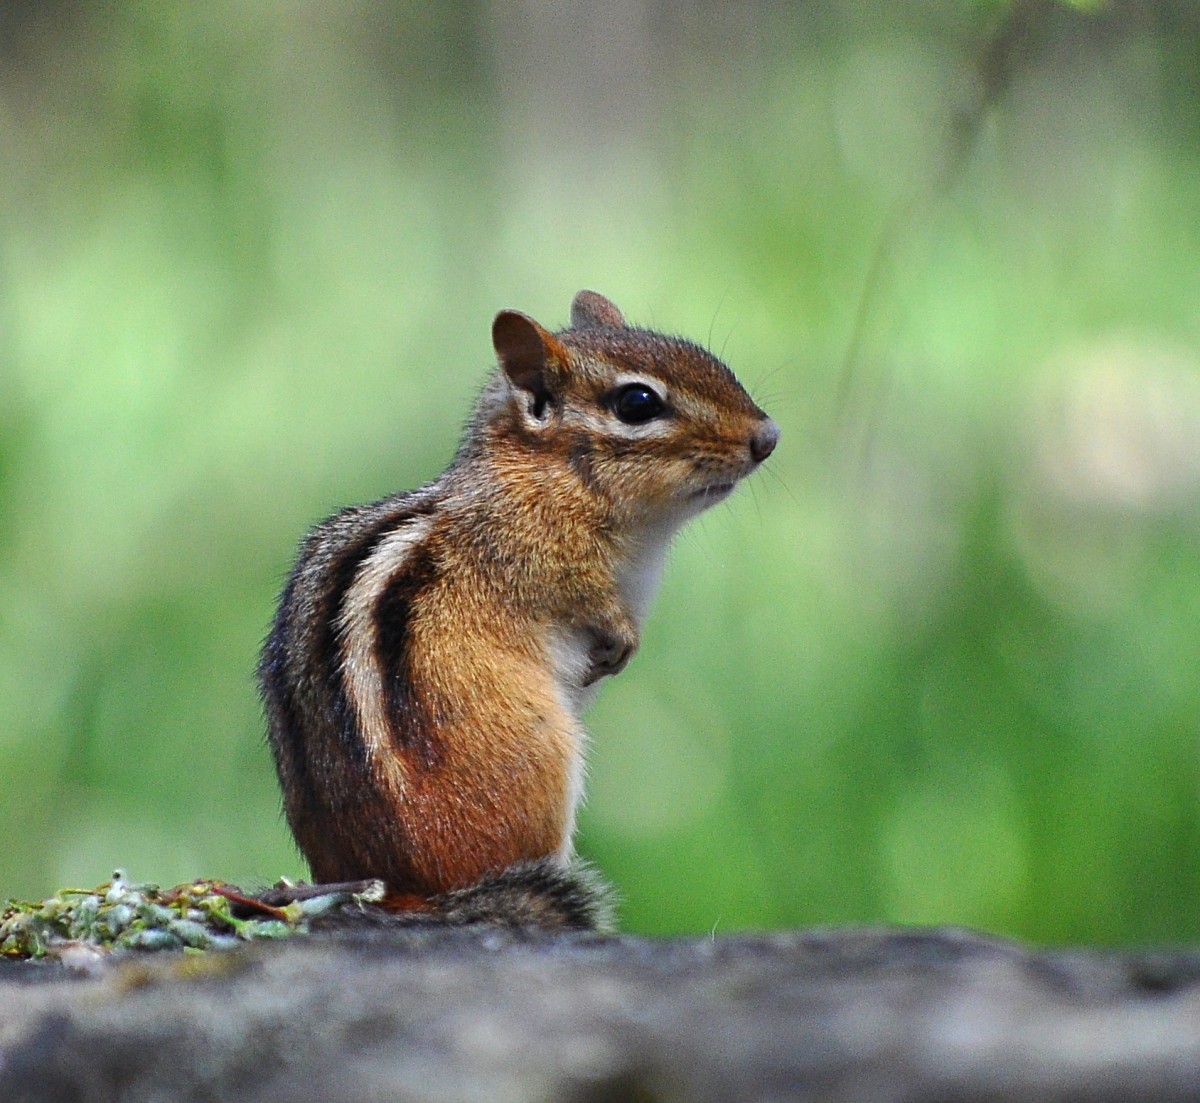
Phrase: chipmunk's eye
(636, 403)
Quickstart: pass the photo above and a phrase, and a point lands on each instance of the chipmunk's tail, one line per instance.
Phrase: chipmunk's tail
(542, 894)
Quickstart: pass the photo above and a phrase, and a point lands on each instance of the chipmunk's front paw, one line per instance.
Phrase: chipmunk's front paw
(608, 654)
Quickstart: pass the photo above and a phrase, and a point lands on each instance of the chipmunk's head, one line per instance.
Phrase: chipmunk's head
(655, 425)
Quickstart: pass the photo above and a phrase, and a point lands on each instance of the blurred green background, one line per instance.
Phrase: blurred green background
(937, 664)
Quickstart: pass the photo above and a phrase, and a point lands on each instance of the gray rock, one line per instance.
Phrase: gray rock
(460, 1016)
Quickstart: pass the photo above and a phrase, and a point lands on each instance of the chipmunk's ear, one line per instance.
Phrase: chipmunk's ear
(533, 359)
(589, 309)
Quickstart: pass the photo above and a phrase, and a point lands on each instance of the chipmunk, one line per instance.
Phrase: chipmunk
(433, 651)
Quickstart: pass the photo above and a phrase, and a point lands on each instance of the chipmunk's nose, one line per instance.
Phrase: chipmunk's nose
(763, 442)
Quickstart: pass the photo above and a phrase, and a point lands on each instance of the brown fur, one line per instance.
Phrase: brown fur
(423, 677)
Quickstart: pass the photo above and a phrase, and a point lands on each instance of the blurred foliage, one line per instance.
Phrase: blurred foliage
(937, 664)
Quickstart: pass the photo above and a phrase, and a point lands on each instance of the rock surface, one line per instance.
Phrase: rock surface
(887, 1015)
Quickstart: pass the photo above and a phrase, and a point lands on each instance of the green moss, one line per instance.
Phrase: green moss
(123, 915)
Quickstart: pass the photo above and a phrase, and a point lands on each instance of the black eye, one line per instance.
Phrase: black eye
(635, 403)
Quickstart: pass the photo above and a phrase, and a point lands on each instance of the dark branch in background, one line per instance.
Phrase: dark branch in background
(995, 63)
